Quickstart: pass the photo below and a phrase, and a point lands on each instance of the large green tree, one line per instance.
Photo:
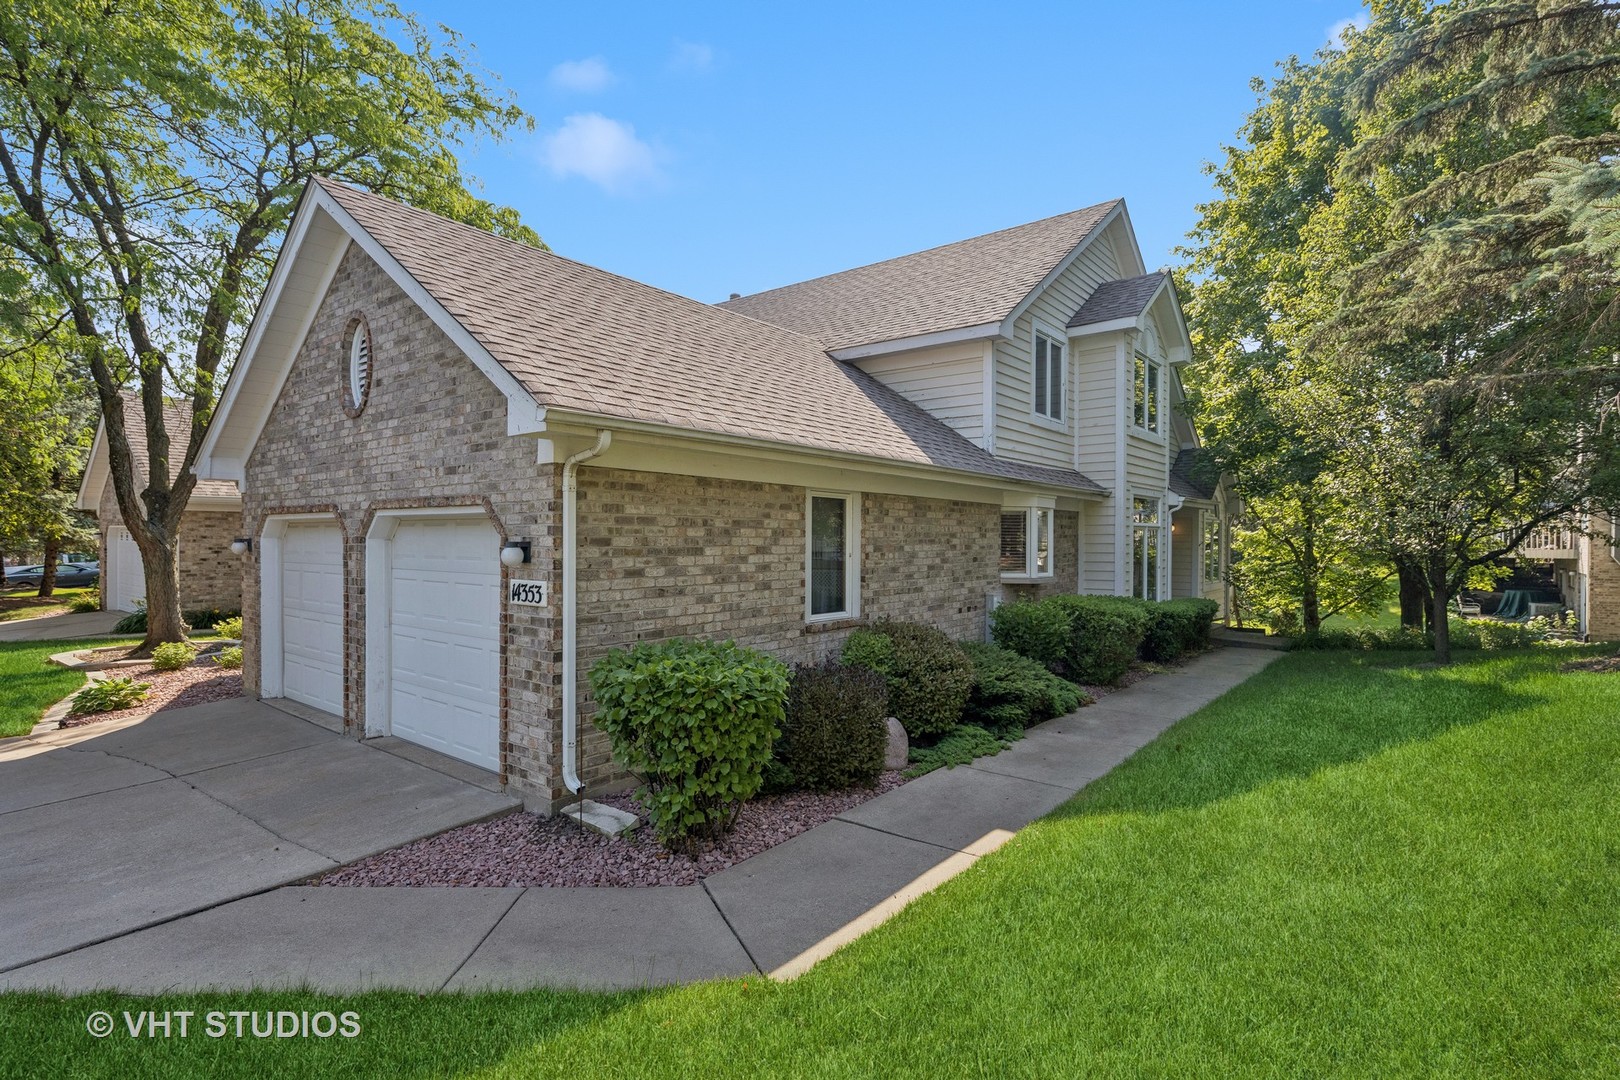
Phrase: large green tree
(151, 153)
(1410, 258)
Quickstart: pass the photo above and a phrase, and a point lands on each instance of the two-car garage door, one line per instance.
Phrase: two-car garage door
(438, 618)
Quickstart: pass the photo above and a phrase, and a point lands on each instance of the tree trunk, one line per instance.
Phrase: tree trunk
(163, 620)
(1439, 613)
(47, 576)
(1414, 595)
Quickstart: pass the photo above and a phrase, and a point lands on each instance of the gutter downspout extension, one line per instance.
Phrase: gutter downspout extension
(570, 658)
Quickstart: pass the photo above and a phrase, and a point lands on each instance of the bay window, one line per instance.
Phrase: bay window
(1026, 543)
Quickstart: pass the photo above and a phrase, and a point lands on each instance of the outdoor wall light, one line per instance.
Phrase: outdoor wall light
(515, 553)
(241, 545)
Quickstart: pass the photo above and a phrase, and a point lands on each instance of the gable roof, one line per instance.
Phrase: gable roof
(177, 422)
(971, 283)
(1126, 298)
(1190, 475)
(580, 340)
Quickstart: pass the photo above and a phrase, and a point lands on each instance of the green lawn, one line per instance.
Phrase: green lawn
(29, 685)
(1387, 619)
(1353, 865)
(28, 604)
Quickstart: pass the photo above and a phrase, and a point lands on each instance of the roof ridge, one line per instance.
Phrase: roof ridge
(530, 251)
(929, 250)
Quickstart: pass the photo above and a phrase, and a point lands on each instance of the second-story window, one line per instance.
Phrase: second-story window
(1147, 394)
(1048, 377)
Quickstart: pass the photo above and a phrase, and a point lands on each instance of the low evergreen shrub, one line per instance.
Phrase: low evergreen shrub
(958, 746)
(695, 720)
(835, 732)
(1105, 635)
(1011, 692)
(1039, 631)
(230, 657)
(1177, 627)
(210, 618)
(929, 677)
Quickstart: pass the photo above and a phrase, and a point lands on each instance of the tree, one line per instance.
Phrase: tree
(151, 152)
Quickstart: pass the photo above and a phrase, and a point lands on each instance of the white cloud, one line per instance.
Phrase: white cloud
(1335, 33)
(691, 56)
(603, 151)
(588, 76)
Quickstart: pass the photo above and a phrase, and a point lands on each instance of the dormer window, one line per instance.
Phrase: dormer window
(1048, 377)
(358, 384)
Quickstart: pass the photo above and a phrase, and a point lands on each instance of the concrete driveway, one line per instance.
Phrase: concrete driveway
(105, 832)
(69, 624)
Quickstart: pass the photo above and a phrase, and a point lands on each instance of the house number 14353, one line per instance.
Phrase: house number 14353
(527, 593)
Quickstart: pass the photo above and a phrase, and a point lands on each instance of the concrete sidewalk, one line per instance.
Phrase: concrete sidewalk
(776, 912)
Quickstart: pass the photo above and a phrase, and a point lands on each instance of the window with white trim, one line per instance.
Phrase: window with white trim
(1026, 543)
(1147, 538)
(1212, 546)
(1148, 386)
(832, 582)
(1048, 377)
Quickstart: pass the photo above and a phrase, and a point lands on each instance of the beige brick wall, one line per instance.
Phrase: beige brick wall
(210, 576)
(1603, 589)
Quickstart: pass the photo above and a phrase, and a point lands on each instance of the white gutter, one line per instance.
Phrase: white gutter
(570, 567)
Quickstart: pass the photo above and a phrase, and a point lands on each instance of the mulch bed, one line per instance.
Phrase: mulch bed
(529, 850)
(202, 682)
(1602, 665)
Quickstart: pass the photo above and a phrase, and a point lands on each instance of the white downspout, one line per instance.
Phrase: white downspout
(570, 567)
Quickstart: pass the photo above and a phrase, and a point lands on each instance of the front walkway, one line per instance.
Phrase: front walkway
(775, 913)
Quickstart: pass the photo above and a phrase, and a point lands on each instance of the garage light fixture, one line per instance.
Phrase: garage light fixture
(241, 545)
(515, 553)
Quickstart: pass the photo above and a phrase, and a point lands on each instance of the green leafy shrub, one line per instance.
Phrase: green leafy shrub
(1177, 627)
(1011, 692)
(172, 656)
(230, 628)
(109, 695)
(89, 600)
(229, 657)
(929, 677)
(835, 732)
(1105, 634)
(695, 720)
(134, 622)
(1039, 631)
(210, 618)
(958, 746)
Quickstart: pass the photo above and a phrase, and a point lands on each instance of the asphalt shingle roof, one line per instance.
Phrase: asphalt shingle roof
(1123, 299)
(177, 422)
(968, 283)
(583, 340)
(1190, 475)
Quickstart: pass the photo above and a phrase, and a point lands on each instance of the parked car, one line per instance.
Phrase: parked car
(67, 575)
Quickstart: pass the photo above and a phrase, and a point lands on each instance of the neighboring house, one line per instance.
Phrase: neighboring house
(469, 467)
(1586, 569)
(210, 576)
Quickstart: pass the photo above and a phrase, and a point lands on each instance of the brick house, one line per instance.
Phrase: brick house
(1585, 562)
(210, 576)
(470, 468)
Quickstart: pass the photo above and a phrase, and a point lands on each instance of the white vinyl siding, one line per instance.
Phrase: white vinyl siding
(947, 381)
(1020, 434)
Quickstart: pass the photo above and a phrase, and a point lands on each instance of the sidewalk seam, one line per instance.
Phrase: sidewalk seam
(474, 950)
(727, 920)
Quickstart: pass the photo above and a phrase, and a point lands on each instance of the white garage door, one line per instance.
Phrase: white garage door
(445, 645)
(124, 580)
(312, 615)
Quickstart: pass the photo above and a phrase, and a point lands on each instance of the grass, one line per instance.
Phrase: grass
(1387, 619)
(29, 685)
(1352, 865)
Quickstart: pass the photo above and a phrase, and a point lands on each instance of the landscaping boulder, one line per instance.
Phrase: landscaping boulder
(899, 747)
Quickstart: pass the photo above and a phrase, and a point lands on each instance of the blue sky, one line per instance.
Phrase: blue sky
(731, 148)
